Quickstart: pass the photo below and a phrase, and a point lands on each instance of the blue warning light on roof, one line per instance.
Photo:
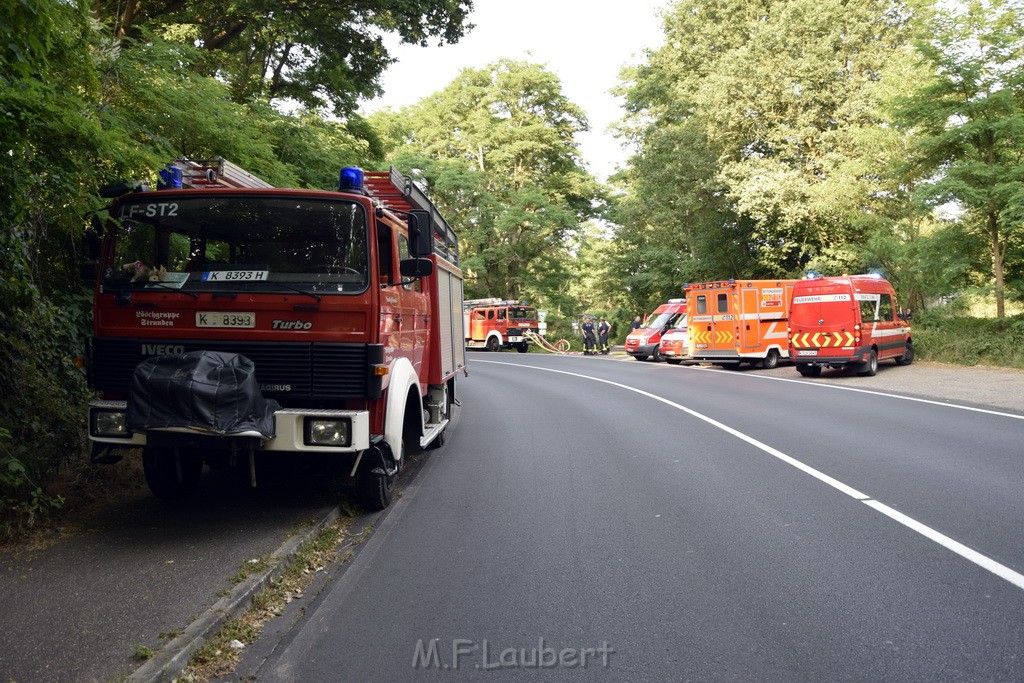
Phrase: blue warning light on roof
(170, 178)
(351, 179)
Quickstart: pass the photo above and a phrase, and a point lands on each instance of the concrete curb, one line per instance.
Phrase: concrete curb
(175, 655)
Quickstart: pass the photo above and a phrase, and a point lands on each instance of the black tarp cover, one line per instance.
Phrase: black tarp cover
(207, 390)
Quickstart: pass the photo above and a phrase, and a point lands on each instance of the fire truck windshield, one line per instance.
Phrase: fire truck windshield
(239, 243)
(522, 313)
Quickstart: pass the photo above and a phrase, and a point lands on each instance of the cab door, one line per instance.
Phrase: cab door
(749, 319)
(724, 322)
(413, 320)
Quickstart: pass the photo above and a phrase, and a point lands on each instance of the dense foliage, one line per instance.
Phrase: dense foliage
(498, 149)
(780, 136)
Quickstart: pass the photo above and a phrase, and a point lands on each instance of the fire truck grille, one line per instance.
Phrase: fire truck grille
(284, 370)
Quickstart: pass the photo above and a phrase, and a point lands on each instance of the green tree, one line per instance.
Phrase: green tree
(505, 164)
(316, 52)
(763, 127)
(970, 122)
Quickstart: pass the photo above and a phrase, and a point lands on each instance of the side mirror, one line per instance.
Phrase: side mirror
(416, 267)
(421, 239)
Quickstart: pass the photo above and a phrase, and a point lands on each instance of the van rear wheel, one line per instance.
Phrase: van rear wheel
(908, 356)
(870, 366)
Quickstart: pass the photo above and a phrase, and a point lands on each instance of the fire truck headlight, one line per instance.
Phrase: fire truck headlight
(321, 432)
(109, 423)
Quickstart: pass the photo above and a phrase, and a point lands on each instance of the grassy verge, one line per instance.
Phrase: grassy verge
(970, 341)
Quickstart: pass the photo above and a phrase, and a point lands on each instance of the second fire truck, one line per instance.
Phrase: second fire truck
(496, 324)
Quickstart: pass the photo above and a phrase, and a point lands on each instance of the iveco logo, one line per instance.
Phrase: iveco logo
(162, 349)
(290, 325)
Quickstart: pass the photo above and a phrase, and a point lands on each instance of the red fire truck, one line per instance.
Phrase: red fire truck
(496, 324)
(234, 319)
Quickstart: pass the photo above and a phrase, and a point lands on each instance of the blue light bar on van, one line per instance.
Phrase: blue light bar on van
(170, 178)
(351, 179)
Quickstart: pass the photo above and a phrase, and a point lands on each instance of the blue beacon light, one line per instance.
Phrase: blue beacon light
(169, 178)
(351, 179)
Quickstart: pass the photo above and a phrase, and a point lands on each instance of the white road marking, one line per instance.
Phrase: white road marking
(983, 561)
(862, 391)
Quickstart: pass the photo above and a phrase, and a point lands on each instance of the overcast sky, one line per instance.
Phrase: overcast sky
(584, 42)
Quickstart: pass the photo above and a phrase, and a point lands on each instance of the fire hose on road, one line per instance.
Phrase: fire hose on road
(560, 346)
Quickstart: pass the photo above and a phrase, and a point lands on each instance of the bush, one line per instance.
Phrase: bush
(944, 338)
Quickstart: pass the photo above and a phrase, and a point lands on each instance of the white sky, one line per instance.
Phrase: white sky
(584, 42)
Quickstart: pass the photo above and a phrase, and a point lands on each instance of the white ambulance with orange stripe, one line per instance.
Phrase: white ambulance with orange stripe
(850, 321)
(739, 321)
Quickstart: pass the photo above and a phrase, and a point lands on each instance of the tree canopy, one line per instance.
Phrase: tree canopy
(498, 149)
(315, 52)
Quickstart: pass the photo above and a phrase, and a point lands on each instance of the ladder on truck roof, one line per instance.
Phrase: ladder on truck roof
(217, 172)
(392, 190)
(493, 301)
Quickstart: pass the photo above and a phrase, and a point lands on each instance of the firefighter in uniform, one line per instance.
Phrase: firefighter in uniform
(603, 328)
(589, 338)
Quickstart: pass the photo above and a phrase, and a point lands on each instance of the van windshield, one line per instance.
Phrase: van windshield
(662, 319)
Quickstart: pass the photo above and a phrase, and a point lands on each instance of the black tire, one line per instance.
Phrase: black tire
(771, 360)
(375, 491)
(161, 466)
(673, 361)
(522, 347)
(869, 367)
(641, 356)
(807, 370)
(908, 356)
(493, 345)
(656, 355)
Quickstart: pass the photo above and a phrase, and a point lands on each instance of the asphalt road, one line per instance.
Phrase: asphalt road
(78, 608)
(670, 523)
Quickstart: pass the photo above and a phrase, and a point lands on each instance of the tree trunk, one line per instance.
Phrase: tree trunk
(998, 257)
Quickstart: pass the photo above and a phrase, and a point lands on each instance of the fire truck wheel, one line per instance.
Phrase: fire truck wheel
(522, 347)
(908, 356)
(493, 345)
(374, 491)
(640, 357)
(656, 355)
(160, 465)
(673, 361)
(807, 370)
(870, 366)
(771, 360)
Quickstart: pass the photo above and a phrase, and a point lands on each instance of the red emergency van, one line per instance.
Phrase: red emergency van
(849, 321)
(644, 342)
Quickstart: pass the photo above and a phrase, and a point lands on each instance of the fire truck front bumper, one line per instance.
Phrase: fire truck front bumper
(295, 430)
